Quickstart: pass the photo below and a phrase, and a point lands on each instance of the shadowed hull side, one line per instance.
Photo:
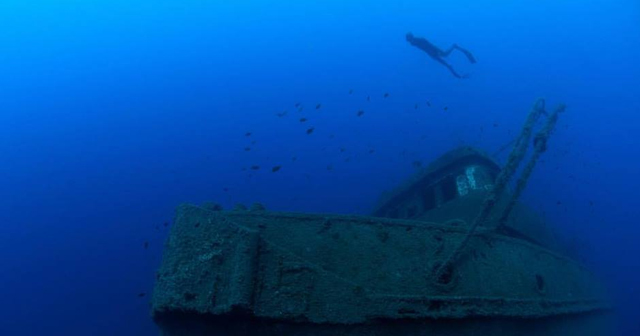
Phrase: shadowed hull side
(184, 324)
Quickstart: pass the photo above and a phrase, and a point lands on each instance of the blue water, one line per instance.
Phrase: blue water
(114, 112)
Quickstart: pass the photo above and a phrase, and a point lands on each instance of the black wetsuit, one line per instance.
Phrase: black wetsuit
(438, 54)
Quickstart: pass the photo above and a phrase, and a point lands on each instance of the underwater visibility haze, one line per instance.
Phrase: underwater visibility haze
(115, 113)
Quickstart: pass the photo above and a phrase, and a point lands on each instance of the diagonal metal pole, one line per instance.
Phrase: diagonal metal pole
(539, 147)
(515, 157)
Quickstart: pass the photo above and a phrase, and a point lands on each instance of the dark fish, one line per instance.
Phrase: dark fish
(318, 106)
(294, 158)
(297, 105)
(351, 91)
(282, 114)
(165, 224)
(310, 130)
(415, 107)
(428, 104)
(371, 151)
(300, 109)
(329, 167)
(275, 169)
(360, 113)
(368, 98)
(558, 203)
(197, 224)
(146, 245)
(342, 149)
(255, 167)
(416, 164)
(253, 142)
(386, 95)
(303, 119)
(495, 124)
(246, 149)
(142, 294)
(347, 159)
(331, 136)
(446, 108)
(247, 134)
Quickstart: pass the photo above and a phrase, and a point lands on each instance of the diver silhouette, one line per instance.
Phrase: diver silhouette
(438, 54)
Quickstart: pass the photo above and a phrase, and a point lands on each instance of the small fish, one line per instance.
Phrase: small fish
(428, 104)
(246, 149)
(294, 158)
(350, 91)
(416, 164)
(255, 167)
(247, 134)
(142, 294)
(300, 109)
(329, 167)
(146, 245)
(281, 114)
(415, 107)
(347, 159)
(331, 136)
(303, 119)
(253, 142)
(310, 130)
(371, 151)
(297, 105)
(386, 95)
(275, 169)
(342, 149)
(360, 113)
(165, 224)
(558, 203)
(318, 106)
(368, 98)
(495, 124)
(446, 108)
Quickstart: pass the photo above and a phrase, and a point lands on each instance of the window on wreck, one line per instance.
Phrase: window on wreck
(429, 198)
(393, 213)
(449, 188)
(474, 178)
(412, 211)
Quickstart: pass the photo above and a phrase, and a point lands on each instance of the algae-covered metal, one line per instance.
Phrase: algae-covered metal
(248, 272)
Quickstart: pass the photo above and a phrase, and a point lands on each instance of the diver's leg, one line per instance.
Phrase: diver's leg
(446, 53)
(465, 52)
(448, 66)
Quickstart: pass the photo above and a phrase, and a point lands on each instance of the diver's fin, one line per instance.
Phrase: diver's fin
(468, 54)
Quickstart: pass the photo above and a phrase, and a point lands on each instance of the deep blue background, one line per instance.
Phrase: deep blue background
(114, 112)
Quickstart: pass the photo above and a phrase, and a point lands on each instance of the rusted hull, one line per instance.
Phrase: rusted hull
(259, 272)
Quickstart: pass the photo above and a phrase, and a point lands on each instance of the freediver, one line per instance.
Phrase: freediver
(437, 53)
